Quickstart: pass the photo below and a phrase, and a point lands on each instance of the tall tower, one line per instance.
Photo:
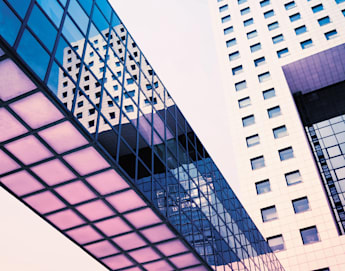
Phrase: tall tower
(272, 52)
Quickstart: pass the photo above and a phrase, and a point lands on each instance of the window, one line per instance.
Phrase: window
(264, 77)
(269, 214)
(226, 19)
(259, 61)
(280, 132)
(309, 235)
(276, 243)
(339, 1)
(236, 70)
(252, 140)
(283, 52)
(286, 154)
(252, 34)
(80, 104)
(130, 93)
(257, 162)
(91, 123)
(249, 120)
(317, 8)
(306, 44)
(264, 3)
(245, 11)
(228, 30)
(223, 8)
(234, 55)
(110, 103)
(300, 205)
(290, 5)
(263, 187)
(112, 115)
(269, 93)
(278, 38)
(248, 22)
(273, 26)
(300, 30)
(241, 1)
(331, 34)
(269, 14)
(274, 112)
(343, 11)
(322, 269)
(241, 85)
(295, 17)
(129, 108)
(244, 102)
(293, 177)
(231, 42)
(219, 0)
(323, 21)
(255, 47)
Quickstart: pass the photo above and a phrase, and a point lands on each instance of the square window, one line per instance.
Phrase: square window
(306, 44)
(259, 61)
(309, 235)
(323, 21)
(228, 30)
(317, 8)
(129, 108)
(300, 205)
(264, 3)
(223, 8)
(269, 14)
(295, 17)
(322, 269)
(290, 5)
(280, 132)
(252, 140)
(273, 26)
(269, 93)
(245, 11)
(241, 85)
(257, 162)
(269, 214)
(343, 11)
(276, 243)
(226, 19)
(283, 52)
(249, 120)
(286, 154)
(331, 34)
(300, 30)
(293, 177)
(241, 1)
(248, 22)
(255, 47)
(339, 1)
(234, 55)
(244, 102)
(237, 70)
(231, 42)
(274, 112)
(263, 187)
(264, 77)
(278, 38)
(252, 34)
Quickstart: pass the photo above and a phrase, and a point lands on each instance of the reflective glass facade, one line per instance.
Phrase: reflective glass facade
(132, 183)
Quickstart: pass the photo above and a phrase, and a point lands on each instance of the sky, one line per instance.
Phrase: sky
(176, 37)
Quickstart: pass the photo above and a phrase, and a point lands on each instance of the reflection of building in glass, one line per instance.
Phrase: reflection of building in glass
(94, 144)
(268, 50)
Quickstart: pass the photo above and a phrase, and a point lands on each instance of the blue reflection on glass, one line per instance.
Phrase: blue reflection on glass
(105, 8)
(42, 27)
(115, 20)
(70, 31)
(20, 6)
(53, 10)
(33, 54)
(78, 15)
(87, 5)
(53, 81)
(9, 24)
(99, 20)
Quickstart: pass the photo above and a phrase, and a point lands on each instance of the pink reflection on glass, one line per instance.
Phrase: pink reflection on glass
(144, 255)
(13, 82)
(129, 241)
(117, 262)
(143, 218)
(21, 183)
(63, 137)
(126, 201)
(84, 235)
(86, 161)
(101, 249)
(107, 182)
(36, 110)
(65, 219)
(9, 126)
(7, 164)
(28, 150)
(53, 172)
(95, 210)
(113, 226)
(75, 192)
(158, 233)
(184, 260)
(158, 266)
(172, 247)
(44, 202)
(198, 268)
(133, 269)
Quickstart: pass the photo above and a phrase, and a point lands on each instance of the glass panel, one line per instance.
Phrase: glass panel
(52, 9)
(286, 154)
(263, 187)
(300, 205)
(20, 6)
(309, 235)
(269, 213)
